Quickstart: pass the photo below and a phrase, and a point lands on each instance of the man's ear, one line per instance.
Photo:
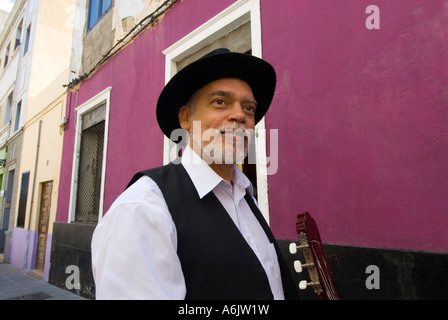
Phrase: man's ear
(185, 117)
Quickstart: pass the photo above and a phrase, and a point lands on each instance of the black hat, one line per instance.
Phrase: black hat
(218, 64)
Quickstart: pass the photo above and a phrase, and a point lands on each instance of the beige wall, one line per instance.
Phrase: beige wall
(51, 54)
(48, 157)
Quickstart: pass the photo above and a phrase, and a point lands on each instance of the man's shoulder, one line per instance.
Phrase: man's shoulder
(142, 188)
(153, 173)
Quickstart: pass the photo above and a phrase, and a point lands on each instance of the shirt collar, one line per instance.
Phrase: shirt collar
(204, 178)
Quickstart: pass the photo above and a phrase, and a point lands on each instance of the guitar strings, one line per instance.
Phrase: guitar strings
(328, 288)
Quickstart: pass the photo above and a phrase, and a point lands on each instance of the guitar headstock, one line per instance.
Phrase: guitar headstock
(315, 259)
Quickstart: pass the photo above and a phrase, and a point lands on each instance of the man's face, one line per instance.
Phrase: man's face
(222, 119)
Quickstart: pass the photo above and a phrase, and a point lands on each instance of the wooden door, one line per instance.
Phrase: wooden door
(44, 221)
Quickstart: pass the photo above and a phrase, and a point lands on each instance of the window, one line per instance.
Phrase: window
(18, 35)
(8, 110)
(27, 40)
(90, 165)
(89, 162)
(18, 113)
(23, 200)
(6, 56)
(97, 8)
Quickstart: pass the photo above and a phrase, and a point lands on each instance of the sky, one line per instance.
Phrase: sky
(6, 5)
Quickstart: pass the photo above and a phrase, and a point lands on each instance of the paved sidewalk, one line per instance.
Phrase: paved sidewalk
(18, 285)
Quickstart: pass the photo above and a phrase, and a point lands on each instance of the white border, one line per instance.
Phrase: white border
(235, 15)
(96, 101)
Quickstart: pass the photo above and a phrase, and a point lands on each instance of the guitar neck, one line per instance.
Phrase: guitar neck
(315, 258)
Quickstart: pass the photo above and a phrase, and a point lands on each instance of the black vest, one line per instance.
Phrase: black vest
(216, 260)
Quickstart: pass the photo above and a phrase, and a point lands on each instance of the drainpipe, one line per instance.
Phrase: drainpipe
(25, 258)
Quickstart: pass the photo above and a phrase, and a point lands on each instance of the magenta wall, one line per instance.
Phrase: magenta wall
(362, 118)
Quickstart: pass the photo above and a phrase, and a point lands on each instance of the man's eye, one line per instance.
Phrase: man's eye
(219, 102)
(250, 108)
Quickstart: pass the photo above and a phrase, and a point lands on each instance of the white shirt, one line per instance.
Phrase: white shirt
(134, 246)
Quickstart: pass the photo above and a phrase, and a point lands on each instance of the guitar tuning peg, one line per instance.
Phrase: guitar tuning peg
(303, 285)
(298, 266)
(293, 248)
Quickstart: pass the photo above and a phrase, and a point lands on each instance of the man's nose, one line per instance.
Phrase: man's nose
(237, 114)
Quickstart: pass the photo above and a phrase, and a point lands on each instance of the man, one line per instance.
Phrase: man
(193, 230)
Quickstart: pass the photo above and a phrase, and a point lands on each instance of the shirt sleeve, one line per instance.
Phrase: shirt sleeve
(134, 248)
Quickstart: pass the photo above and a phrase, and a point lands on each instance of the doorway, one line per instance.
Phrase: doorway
(44, 221)
(7, 209)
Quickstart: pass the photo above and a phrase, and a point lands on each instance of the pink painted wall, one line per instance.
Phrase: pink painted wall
(362, 117)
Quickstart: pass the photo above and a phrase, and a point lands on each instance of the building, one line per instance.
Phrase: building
(15, 52)
(38, 35)
(356, 134)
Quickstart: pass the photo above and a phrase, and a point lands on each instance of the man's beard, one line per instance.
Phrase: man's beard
(236, 144)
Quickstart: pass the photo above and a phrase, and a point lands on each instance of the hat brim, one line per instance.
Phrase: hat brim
(259, 74)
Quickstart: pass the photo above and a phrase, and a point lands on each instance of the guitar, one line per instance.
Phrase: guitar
(315, 259)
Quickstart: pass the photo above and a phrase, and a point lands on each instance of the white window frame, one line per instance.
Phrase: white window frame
(98, 100)
(235, 15)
